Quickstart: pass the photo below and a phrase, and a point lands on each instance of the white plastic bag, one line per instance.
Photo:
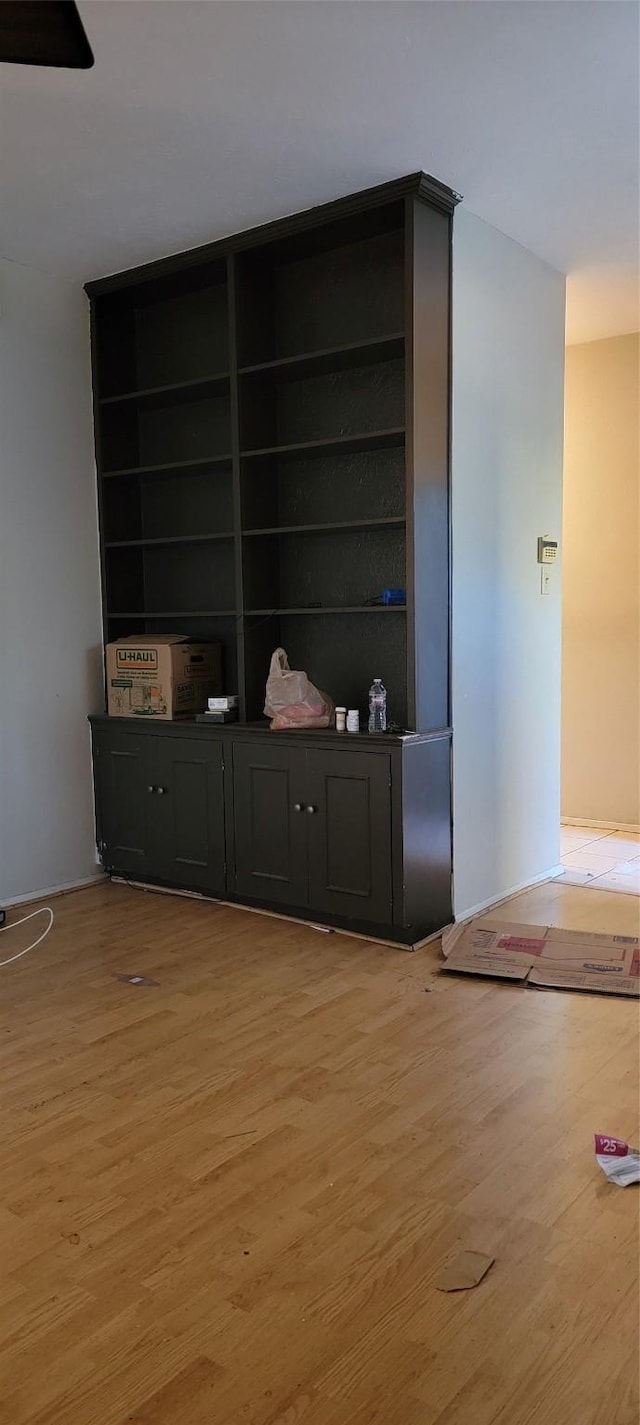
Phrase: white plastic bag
(293, 701)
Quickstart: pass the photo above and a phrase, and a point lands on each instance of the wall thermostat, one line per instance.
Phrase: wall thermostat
(547, 550)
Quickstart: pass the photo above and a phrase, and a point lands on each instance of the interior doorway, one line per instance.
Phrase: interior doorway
(600, 832)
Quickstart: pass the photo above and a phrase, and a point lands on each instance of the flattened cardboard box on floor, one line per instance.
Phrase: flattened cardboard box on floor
(163, 675)
(545, 956)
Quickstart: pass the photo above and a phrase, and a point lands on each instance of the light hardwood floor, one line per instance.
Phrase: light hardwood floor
(224, 1199)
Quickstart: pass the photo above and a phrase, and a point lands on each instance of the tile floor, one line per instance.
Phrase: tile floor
(606, 860)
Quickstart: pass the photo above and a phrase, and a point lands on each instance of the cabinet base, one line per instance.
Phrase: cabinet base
(396, 936)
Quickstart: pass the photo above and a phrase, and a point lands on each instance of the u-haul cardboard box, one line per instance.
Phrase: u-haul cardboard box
(545, 956)
(162, 675)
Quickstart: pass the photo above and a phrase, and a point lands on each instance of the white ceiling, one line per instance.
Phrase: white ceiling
(200, 119)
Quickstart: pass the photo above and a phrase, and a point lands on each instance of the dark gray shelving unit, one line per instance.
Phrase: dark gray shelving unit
(272, 439)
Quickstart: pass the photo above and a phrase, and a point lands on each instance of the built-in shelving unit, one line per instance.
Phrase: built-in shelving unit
(272, 447)
(272, 441)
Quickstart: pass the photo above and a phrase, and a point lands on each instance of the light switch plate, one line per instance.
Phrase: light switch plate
(545, 580)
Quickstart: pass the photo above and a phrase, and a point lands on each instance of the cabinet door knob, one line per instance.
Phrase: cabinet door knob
(311, 810)
(297, 806)
(151, 789)
(161, 791)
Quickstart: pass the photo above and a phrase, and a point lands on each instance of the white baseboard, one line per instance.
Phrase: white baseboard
(600, 825)
(495, 901)
(50, 891)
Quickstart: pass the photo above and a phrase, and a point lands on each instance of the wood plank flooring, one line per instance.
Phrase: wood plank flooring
(225, 1199)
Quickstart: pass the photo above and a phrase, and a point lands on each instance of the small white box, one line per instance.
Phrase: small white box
(223, 704)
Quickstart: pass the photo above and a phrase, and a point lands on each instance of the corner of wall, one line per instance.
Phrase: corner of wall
(49, 584)
(508, 368)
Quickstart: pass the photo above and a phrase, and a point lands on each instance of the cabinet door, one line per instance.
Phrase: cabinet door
(270, 832)
(188, 812)
(350, 833)
(124, 800)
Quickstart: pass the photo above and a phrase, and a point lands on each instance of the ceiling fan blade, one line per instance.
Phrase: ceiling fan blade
(48, 32)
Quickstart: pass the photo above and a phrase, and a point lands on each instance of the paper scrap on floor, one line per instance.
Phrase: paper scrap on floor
(464, 1271)
(620, 1162)
(545, 956)
(135, 980)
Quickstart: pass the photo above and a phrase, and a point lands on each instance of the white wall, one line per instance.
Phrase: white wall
(50, 658)
(508, 363)
(601, 604)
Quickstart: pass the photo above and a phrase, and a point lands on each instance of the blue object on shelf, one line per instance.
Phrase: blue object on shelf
(391, 596)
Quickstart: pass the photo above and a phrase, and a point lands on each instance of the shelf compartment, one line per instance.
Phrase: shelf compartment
(154, 616)
(164, 432)
(175, 504)
(333, 570)
(393, 522)
(341, 444)
(334, 358)
(331, 488)
(180, 577)
(364, 398)
(167, 331)
(323, 289)
(321, 609)
(190, 576)
(167, 539)
(340, 652)
(214, 625)
(169, 467)
(175, 393)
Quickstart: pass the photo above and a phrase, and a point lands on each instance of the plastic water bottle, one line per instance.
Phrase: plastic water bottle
(377, 706)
